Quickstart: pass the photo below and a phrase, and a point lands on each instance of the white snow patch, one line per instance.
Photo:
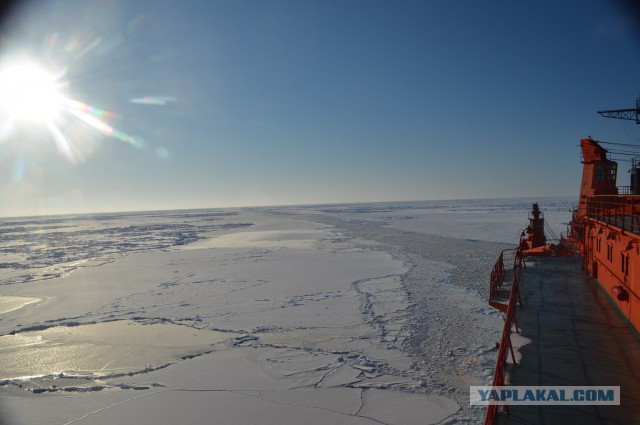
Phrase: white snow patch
(8, 303)
(398, 408)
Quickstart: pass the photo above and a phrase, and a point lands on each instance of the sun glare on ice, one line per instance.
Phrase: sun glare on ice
(28, 92)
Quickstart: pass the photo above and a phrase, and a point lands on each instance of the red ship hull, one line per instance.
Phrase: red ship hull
(606, 228)
(608, 237)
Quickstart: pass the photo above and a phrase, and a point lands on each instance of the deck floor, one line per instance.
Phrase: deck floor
(578, 338)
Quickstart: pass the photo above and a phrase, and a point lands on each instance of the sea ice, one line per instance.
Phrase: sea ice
(8, 303)
(360, 314)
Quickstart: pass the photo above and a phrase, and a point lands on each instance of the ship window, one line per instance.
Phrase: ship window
(610, 252)
(612, 171)
(599, 172)
(598, 245)
(625, 263)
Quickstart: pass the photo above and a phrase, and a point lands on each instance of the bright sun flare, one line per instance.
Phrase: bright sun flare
(29, 93)
(33, 98)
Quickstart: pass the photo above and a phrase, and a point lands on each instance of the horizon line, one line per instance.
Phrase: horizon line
(153, 210)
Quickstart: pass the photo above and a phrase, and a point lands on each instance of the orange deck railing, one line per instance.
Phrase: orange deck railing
(617, 210)
(498, 273)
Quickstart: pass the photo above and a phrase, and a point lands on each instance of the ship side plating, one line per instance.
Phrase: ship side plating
(606, 228)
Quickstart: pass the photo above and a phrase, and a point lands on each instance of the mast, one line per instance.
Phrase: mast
(598, 174)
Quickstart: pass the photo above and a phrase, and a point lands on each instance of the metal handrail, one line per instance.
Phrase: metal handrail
(624, 190)
(617, 210)
(509, 322)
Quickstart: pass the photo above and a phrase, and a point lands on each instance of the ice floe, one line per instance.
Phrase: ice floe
(361, 314)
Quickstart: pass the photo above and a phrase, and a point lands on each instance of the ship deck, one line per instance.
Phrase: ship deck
(578, 338)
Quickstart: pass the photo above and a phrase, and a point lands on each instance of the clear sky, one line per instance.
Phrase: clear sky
(211, 103)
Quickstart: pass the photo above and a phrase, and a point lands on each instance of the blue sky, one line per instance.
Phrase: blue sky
(293, 102)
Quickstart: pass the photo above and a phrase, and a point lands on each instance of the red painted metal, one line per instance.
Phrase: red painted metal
(606, 228)
(535, 229)
(509, 323)
(598, 174)
(533, 245)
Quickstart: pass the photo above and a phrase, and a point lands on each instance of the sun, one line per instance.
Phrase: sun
(28, 92)
(34, 101)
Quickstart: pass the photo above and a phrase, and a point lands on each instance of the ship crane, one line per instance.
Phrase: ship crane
(624, 114)
(633, 115)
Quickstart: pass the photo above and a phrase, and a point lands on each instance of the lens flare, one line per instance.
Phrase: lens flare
(56, 77)
(29, 93)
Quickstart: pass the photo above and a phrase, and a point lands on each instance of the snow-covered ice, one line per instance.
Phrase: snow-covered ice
(354, 314)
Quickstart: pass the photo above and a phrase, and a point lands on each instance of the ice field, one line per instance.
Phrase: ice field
(345, 314)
